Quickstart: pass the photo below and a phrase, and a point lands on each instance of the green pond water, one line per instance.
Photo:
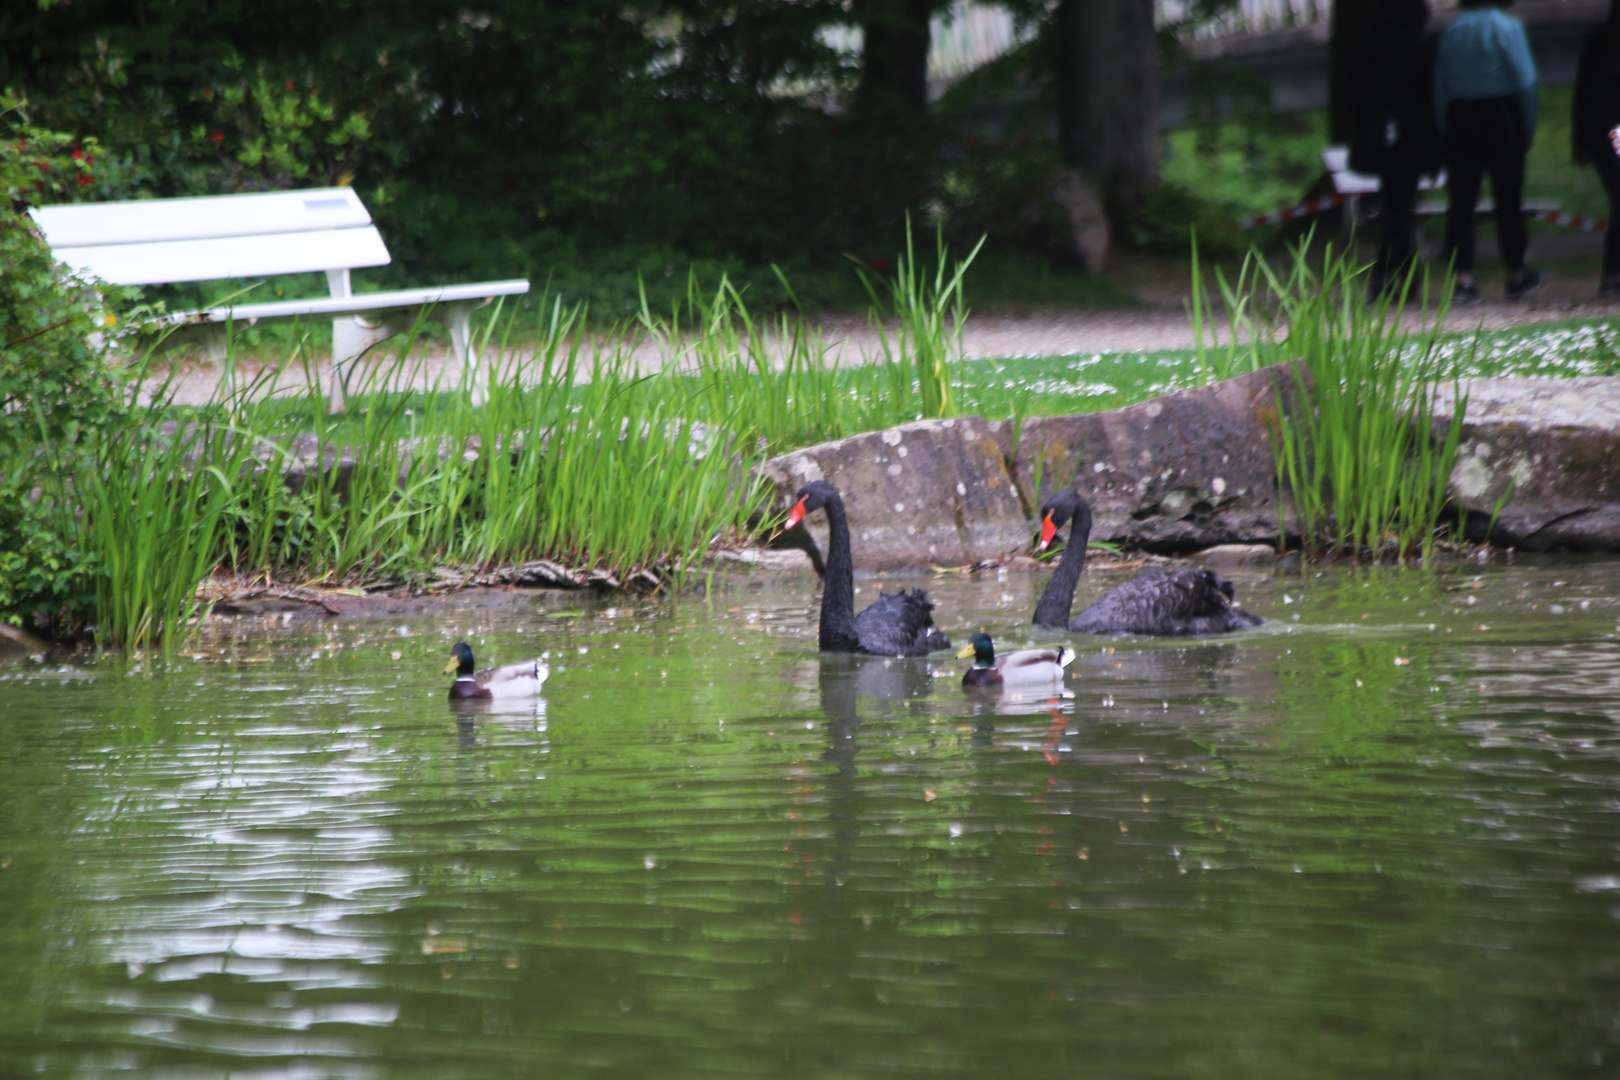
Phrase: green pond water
(1376, 837)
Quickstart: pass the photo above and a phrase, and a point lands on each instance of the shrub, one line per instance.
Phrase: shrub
(1168, 215)
(55, 389)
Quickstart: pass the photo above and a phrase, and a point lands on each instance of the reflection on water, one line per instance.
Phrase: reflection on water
(1375, 837)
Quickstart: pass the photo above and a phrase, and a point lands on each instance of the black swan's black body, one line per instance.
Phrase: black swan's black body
(1173, 603)
(897, 624)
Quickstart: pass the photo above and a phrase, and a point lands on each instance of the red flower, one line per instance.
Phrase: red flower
(83, 180)
(218, 136)
(78, 155)
(879, 264)
(289, 84)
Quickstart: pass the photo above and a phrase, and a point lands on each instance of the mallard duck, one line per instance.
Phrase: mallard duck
(1026, 667)
(508, 681)
(897, 624)
(1163, 603)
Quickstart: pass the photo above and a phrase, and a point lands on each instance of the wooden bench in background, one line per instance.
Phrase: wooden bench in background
(165, 241)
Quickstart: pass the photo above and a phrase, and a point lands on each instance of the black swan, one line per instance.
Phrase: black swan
(1172, 603)
(897, 624)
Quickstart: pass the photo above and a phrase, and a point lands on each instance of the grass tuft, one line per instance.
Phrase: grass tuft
(1366, 474)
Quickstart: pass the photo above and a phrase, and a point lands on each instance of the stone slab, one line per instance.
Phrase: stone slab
(1181, 472)
(18, 645)
(1547, 451)
(930, 492)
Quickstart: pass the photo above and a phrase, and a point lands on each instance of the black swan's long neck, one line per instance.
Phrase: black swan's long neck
(838, 585)
(1058, 599)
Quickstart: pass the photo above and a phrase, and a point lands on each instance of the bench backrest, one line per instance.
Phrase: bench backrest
(147, 241)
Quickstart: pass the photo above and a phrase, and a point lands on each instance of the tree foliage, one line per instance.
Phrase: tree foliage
(608, 122)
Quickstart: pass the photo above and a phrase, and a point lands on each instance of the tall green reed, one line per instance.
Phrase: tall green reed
(152, 512)
(564, 448)
(928, 316)
(542, 453)
(1357, 452)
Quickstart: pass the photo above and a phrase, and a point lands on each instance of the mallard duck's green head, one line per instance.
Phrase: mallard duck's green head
(981, 648)
(461, 660)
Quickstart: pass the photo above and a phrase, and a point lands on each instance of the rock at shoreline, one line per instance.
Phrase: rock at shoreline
(931, 492)
(1224, 556)
(17, 645)
(1547, 450)
(1178, 473)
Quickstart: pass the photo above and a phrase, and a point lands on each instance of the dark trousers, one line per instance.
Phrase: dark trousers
(1485, 135)
(1398, 188)
(1608, 170)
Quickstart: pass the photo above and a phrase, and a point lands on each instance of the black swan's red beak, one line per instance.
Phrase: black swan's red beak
(796, 514)
(1048, 530)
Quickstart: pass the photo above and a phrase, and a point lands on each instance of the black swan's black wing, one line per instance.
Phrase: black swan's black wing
(900, 624)
(1173, 604)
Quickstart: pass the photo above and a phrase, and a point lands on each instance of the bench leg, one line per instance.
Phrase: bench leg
(458, 318)
(351, 337)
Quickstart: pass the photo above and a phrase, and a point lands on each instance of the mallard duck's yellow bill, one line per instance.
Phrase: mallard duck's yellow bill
(967, 651)
(450, 668)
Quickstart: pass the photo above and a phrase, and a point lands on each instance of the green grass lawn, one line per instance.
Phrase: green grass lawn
(1060, 385)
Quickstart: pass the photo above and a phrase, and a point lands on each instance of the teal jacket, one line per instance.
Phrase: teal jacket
(1485, 54)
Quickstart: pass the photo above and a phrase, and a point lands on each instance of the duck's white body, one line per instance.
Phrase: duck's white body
(514, 680)
(1026, 667)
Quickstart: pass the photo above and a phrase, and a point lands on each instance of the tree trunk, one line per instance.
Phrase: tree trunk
(1351, 21)
(894, 72)
(1107, 76)
(891, 137)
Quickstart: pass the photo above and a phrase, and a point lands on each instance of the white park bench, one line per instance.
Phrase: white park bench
(164, 241)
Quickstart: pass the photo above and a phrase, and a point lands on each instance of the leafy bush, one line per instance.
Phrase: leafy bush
(1003, 189)
(55, 390)
(1169, 214)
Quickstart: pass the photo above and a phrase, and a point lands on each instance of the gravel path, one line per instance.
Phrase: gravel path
(1160, 323)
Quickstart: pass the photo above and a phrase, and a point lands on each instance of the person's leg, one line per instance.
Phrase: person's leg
(1505, 160)
(1464, 169)
(1507, 189)
(1608, 170)
(1399, 183)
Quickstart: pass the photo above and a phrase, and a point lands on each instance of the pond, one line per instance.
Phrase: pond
(1375, 837)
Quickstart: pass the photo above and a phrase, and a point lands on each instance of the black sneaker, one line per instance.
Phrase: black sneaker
(1526, 283)
(1466, 292)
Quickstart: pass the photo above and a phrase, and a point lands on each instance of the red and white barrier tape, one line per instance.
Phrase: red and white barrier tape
(1304, 209)
(1573, 221)
(1328, 202)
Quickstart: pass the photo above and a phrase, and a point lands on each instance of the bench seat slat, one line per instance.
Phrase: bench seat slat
(229, 257)
(362, 304)
(139, 221)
